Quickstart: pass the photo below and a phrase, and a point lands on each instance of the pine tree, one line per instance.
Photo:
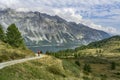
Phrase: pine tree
(2, 34)
(14, 37)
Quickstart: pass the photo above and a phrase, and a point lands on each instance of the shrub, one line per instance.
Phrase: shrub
(55, 70)
(113, 65)
(76, 55)
(15, 55)
(87, 68)
(117, 73)
(3, 58)
(85, 78)
(77, 62)
(103, 76)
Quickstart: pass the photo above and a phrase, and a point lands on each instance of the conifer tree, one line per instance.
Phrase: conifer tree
(14, 37)
(2, 34)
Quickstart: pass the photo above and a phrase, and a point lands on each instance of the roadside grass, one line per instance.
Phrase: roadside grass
(8, 53)
(51, 68)
(47, 68)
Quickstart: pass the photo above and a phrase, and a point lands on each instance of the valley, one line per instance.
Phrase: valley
(59, 40)
(87, 62)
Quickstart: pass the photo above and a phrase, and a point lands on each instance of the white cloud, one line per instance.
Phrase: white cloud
(107, 29)
(67, 9)
(111, 30)
(68, 14)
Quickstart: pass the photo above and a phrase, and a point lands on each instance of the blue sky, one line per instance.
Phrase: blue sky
(98, 14)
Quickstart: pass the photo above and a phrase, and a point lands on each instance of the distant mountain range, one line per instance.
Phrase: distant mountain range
(42, 29)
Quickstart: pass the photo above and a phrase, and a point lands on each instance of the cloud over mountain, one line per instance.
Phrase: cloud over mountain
(105, 13)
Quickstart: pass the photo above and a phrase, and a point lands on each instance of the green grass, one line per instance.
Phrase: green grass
(49, 68)
(9, 53)
(69, 64)
(106, 47)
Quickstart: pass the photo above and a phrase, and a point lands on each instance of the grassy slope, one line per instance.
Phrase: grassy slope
(110, 46)
(9, 53)
(48, 68)
(51, 68)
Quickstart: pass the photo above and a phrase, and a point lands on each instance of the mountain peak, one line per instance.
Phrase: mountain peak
(43, 29)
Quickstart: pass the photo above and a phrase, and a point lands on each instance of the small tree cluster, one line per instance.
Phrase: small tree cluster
(77, 55)
(99, 51)
(87, 68)
(12, 36)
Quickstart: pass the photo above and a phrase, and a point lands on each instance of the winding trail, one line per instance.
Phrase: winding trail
(9, 63)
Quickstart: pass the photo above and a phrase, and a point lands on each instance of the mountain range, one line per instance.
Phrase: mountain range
(43, 29)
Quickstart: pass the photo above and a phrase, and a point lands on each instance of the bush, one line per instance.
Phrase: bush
(103, 76)
(76, 55)
(113, 65)
(87, 68)
(4, 58)
(77, 62)
(55, 71)
(17, 56)
(117, 73)
(85, 78)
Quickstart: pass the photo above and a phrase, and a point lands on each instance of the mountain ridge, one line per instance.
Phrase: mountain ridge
(42, 29)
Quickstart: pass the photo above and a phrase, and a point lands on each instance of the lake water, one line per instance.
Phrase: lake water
(50, 48)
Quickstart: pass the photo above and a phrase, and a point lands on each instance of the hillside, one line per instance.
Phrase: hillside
(42, 29)
(7, 52)
(109, 46)
(115, 40)
(49, 68)
(84, 63)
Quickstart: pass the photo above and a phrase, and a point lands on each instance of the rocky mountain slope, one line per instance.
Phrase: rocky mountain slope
(42, 29)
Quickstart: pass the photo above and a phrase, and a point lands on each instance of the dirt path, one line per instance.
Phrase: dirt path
(8, 63)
